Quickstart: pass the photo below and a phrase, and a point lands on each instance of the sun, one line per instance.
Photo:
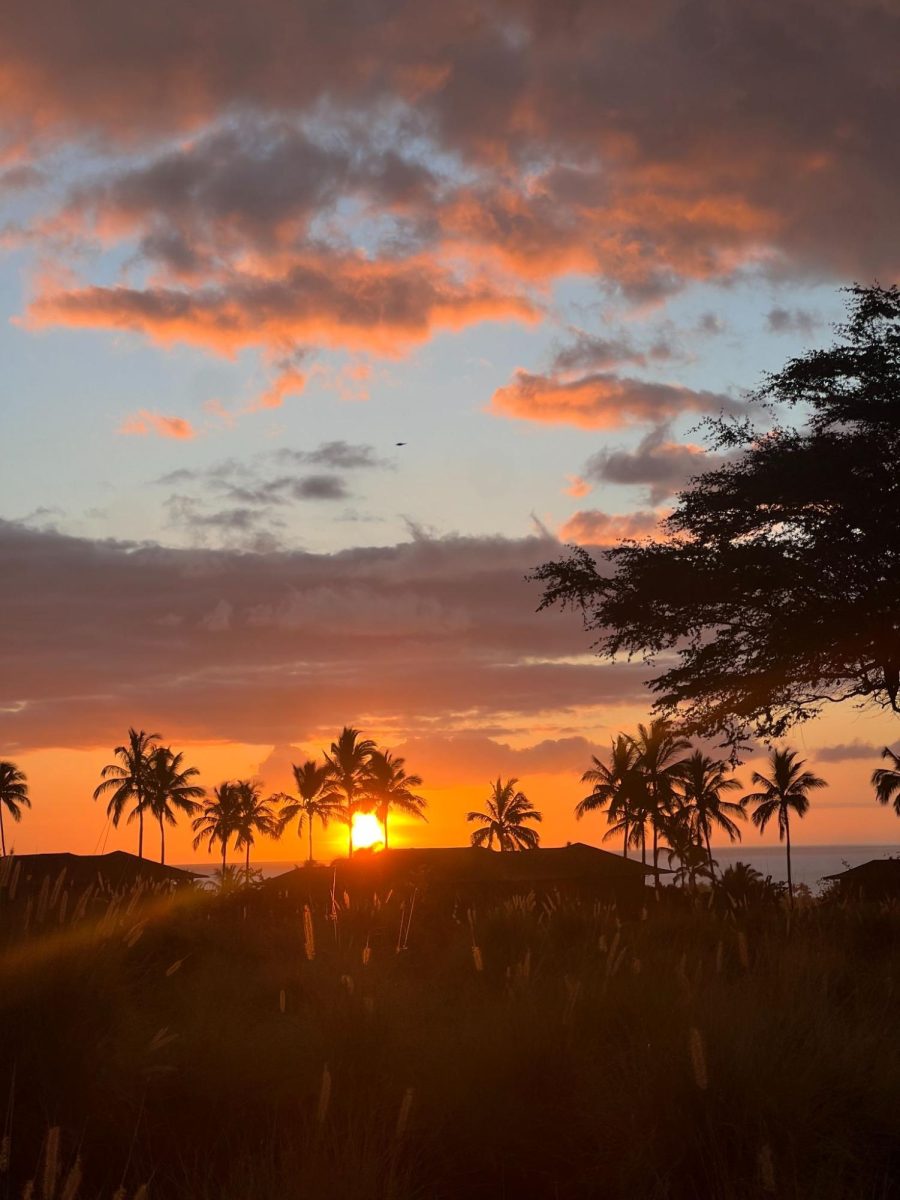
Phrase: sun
(366, 831)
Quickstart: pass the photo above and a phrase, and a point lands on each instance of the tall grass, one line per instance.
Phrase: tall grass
(216, 1049)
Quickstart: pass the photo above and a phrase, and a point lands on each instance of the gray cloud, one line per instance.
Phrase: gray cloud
(710, 324)
(844, 751)
(20, 178)
(342, 456)
(254, 494)
(260, 182)
(272, 647)
(245, 528)
(539, 143)
(663, 465)
(796, 320)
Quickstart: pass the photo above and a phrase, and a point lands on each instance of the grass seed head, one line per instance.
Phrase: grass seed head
(403, 1115)
(72, 1183)
(698, 1058)
(51, 1164)
(324, 1096)
(766, 1168)
(309, 935)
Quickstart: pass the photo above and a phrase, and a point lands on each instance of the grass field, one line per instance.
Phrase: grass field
(197, 1048)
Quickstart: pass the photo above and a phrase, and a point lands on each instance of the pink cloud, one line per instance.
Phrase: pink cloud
(592, 527)
(576, 486)
(600, 401)
(146, 422)
(323, 299)
(289, 382)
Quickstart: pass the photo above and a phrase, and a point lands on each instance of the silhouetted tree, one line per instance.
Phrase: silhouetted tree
(616, 784)
(886, 781)
(703, 780)
(316, 798)
(13, 796)
(218, 821)
(743, 886)
(127, 780)
(169, 789)
(693, 858)
(389, 787)
(773, 589)
(784, 789)
(506, 811)
(349, 763)
(657, 746)
(254, 815)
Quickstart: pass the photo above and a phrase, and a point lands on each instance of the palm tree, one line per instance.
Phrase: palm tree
(169, 788)
(886, 781)
(693, 859)
(504, 819)
(614, 788)
(127, 780)
(254, 815)
(13, 796)
(388, 786)
(743, 886)
(657, 747)
(317, 798)
(349, 761)
(218, 820)
(784, 789)
(703, 780)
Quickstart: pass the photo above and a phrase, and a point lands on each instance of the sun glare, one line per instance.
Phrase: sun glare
(366, 831)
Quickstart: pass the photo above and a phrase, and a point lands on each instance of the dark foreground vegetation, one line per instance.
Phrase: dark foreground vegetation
(207, 1047)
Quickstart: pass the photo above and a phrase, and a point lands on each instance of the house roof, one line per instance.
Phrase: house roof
(116, 869)
(471, 865)
(876, 870)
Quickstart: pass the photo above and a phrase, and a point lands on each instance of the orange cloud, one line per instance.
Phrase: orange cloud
(289, 382)
(599, 401)
(343, 301)
(576, 486)
(591, 527)
(146, 422)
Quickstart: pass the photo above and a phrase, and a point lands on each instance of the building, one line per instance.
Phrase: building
(878, 879)
(48, 881)
(472, 874)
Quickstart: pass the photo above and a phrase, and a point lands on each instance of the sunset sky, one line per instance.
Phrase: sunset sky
(247, 248)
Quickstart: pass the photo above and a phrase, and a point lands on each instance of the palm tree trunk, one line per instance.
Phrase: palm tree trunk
(140, 828)
(309, 832)
(643, 845)
(625, 844)
(162, 842)
(2, 832)
(384, 827)
(655, 855)
(787, 834)
(247, 864)
(224, 852)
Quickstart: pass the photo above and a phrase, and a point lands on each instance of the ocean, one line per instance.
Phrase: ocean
(808, 863)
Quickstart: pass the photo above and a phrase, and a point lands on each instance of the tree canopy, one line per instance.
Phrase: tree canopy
(772, 588)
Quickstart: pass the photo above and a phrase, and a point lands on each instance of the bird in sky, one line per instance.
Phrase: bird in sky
(399, 443)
